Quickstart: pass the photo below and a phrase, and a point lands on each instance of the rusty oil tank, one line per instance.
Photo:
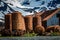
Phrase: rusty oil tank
(37, 24)
(37, 21)
(18, 21)
(29, 23)
(8, 22)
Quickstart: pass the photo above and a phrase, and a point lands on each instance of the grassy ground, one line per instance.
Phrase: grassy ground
(34, 34)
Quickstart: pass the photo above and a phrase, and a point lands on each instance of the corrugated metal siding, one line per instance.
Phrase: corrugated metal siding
(53, 21)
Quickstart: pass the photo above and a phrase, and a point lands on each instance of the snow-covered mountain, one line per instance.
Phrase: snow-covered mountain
(27, 7)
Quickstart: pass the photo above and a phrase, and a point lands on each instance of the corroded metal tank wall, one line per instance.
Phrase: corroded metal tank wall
(37, 24)
(18, 21)
(29, 23)
(8, 21)
(37, 21)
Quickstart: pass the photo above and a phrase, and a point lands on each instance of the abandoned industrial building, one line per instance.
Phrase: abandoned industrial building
(17, 23)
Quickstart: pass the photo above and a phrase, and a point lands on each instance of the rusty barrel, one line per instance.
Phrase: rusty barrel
(18, 21)
(29, 23)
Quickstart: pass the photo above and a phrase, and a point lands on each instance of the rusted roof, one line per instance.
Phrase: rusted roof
(48, 14)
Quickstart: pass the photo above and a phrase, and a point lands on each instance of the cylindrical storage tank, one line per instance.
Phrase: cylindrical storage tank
(37, 21)
(29, 23)
(8, 22)
(37, 24)
(18, 21)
